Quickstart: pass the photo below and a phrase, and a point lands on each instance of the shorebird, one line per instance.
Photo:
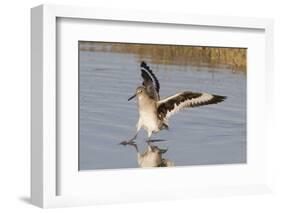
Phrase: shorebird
(152, 157)
(154, 113)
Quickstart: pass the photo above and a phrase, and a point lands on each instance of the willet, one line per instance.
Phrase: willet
(154, 113)
(152, 157)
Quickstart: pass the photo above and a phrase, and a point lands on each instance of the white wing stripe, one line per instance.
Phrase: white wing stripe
(168, 98)
(205, 97)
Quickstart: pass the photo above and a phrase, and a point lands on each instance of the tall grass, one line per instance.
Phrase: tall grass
(232, 58)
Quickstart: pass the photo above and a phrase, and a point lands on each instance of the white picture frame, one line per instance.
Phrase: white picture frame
(45, 168)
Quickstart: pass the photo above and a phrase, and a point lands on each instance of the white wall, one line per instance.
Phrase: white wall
(15, 98)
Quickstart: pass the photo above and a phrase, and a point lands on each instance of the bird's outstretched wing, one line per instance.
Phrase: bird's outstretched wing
(150, 81)
(171, 105)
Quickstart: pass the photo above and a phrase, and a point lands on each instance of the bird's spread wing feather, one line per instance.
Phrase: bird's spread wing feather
(150, 81)
(171, 105)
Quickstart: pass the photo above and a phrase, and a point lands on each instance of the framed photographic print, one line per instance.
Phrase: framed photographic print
(130, 106)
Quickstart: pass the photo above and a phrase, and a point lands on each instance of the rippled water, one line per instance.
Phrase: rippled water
(213, 134)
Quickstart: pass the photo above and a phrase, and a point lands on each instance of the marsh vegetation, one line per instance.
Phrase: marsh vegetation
(216, 57)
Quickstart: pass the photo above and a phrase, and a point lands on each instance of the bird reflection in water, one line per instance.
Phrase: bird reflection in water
(152, 157)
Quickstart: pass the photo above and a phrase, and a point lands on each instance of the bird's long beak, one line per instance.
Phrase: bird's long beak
(132, 97)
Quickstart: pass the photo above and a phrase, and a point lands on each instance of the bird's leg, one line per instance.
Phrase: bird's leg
(131, 141)
(135, 136)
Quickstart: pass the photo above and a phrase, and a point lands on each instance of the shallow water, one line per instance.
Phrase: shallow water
(213, 134)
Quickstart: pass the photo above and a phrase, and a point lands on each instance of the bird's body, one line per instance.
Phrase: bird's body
(154, 113)
(148, 116)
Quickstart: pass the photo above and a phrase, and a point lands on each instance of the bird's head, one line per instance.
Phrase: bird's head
(140, 91)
